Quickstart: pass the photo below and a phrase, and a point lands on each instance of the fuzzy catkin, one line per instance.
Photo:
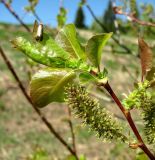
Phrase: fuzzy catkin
(141, 99)
(97, 117)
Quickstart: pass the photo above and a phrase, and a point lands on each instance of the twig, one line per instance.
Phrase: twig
(128, 117)
(36, 16)
(107, 30)
(113, 2)
(15, 15)
(42, 117)
(132, 17)
(72, 130)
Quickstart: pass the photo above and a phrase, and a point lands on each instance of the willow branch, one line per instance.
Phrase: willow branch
(130, 121)
(132, 17)
(107, 30)
(10, 9)
(128, 117)
(42, 117)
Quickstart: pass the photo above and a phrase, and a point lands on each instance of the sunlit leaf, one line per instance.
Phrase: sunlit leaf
(47, 85)
(47, 52)
(67, 39)
(94, 47)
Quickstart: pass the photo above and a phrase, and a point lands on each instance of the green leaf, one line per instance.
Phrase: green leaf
(67, 39)
(47, 85)
(47, 52)
(86, 77)
(94, 47)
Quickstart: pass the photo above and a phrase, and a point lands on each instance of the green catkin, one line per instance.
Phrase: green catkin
(148, 115)
(138, 98)
(98, 118)
(141, 99)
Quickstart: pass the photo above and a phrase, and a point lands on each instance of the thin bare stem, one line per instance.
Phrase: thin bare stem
(132, 17)
(36, 16)
(10, 9)
(128, 117)
(72, 129)
(42, 117)
(107, 30)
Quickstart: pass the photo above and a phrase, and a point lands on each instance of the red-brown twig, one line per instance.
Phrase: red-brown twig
(10, 9)
(42, 117)
(132, 17)
(128, 117)
(36, 16)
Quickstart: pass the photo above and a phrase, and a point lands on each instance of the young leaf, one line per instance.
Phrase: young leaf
(94, 47)
(47, 85)
(67, 39)
(46, 52)
(145, 56)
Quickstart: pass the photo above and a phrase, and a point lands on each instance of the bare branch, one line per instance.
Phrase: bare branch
(36, 16)
(10, 9)
(132, 17)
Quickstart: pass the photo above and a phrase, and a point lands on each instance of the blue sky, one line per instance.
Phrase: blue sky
(48, 9)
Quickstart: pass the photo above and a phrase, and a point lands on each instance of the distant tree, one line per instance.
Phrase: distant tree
(134, 8)
(80, 18)
(109, 18)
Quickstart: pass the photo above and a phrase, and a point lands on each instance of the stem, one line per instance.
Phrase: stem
(15, 15)
(42, 117)
(36, 16)
(72, 130)
(130, 121)
(106, 30)
(133, 18)
(113, 2)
